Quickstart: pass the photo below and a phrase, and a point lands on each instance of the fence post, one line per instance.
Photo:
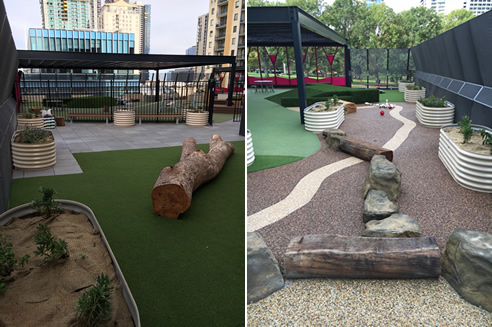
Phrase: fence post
(211, 98)
(387, 66)
(367, 74)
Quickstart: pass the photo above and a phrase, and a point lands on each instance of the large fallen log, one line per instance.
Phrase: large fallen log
(363, 150)
(173, 190)
(316, 256)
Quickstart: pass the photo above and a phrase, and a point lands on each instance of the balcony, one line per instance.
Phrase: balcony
(219, 48)
(222, 13)
(222, 2)
(221, 25)
(220, 36)
(241, 44)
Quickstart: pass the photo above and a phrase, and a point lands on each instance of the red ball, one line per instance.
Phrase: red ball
(381, 112)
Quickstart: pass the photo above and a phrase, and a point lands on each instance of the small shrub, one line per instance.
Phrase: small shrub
(486, 138)
(94, 306)
(465, 128)
(27, 115)
(414, 87)
(434, 102)
(47, 206)
(50, 249)
(8, 262)
(34, 135)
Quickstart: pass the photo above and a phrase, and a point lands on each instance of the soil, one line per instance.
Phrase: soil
(45, 294)
(322, 107)
(47, 139)
(474, 144)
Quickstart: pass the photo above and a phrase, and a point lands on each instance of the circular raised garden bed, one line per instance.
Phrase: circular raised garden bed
(197, 118)
(33, 122)
(67, 279)
(250, 152)
(29, 156)
(402, 86)
(414, 95)
(318, 121)
(435, 117)
(124, 118)
(470, 170)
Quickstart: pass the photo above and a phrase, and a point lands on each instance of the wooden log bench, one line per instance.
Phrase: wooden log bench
(140, 116)
(332, 256)
(76, 114)
(362, 149)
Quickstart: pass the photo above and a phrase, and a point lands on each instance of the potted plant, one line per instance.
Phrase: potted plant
(196, 116)
(402, 85)
(66, 252)
(465, 149)
(434, 111)
(33, 149)
(124, 118)
(30, 118)
(413, 93)
(323, 115)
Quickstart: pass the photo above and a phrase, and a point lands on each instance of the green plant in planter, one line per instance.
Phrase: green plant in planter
(34, 135)
(27, 115)
(465, 128)
(414, 87)
(434, 102)
(8, 262)
(50, 249)
(94, 306)
(332, 102)
(486, 138)
(47, 206)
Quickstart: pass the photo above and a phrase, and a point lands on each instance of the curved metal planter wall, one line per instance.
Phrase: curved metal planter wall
(197, 118)
(318, 121)
(26, 209)
(33, 156)
(124, 118)
(402, 86)
(434, 117)
(33, 122)
(413, 95)
(470, 170)
(250, 152)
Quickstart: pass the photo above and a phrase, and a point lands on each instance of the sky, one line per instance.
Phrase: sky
(173, 23)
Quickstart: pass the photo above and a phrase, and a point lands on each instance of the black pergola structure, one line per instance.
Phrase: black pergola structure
(293, 27)
(110, 61)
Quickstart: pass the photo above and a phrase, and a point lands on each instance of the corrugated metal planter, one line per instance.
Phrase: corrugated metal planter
(26, 209)
(414, 95)
(435, 117)
(319, 121)
(124, 118)
(250, 152)
(33, 122)
(402, 86)
(28, 156)
(197, 118)
(470, 170)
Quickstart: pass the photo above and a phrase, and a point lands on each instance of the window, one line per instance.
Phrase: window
(233, 41)
(209, 45)
(237, 4)
(234, 29)
(213, 11)
(235, 17)
(211, 32)
(211, 22)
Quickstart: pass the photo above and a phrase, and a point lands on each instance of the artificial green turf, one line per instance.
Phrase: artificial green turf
(220, 118)
(392, 96)
(185, 272)
(265, 162)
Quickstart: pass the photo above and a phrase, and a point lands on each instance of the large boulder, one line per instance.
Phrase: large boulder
(264, 275)
(396, 225)
(334, 137)
(377, 206)
(467, 266)
(383, 175)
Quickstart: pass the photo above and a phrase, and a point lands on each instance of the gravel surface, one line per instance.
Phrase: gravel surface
(428, 194)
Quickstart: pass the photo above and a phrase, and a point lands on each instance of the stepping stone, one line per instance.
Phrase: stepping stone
(264, 277)
(467, 266)
(377, 206)
(383, 175)
(396, 225)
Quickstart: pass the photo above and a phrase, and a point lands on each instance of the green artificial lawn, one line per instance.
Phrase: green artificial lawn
(392, 96)
(185, 272)
(220, 118)
(312, 90)
(278, 136)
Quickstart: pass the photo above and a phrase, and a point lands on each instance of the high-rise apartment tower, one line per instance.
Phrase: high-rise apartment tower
(69, 14)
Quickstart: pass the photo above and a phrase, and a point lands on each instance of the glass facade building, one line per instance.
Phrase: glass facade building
(80, 41)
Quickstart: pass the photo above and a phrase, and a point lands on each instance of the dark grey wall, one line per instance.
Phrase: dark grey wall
(458, 64)
(8, 69)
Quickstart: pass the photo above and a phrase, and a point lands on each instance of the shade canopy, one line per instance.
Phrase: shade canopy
(82, 60)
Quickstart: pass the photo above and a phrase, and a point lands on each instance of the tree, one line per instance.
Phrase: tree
(312, 7)
(421, 24)
(260, 3)
(455, 18)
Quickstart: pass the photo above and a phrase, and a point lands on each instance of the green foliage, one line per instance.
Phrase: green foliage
(93, 307)
(8, 262)
(414, 87)
(486, 138)
(50, 249)
(333, 101)
(33, 135)
(465, 128)
(455, 18)
(27, 115)
(83, 256)
(47, 206)
(434, 102)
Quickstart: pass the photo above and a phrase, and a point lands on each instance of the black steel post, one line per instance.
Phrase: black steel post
(157, 82)
(296, 33)
(367, 60)
(232, 79)
(348, 68)
(408, 65)
(211, 94)
(387, 66)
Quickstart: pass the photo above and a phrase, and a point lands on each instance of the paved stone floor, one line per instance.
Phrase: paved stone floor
(93, 137)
